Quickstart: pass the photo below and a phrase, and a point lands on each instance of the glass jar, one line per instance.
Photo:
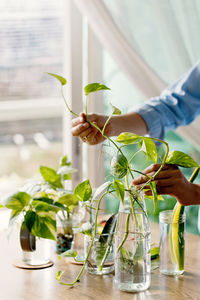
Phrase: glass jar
(132, 251)
(65, 234)
(172, 243)
(35, 251)
(101, 257)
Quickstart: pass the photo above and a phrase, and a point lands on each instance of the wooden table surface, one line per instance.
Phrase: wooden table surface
(21, 284)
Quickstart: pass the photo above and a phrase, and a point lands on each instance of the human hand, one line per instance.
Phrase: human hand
(88, 133)
(169, 181)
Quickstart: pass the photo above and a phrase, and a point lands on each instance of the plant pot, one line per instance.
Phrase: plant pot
(35, 251)
(132, 258)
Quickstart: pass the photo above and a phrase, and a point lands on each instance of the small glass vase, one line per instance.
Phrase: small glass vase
(65, 235)
(172, 243)
(132, 251)
(101, 257)
(35, 251)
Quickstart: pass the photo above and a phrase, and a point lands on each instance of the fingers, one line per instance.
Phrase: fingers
(167, 172)
(80, 128)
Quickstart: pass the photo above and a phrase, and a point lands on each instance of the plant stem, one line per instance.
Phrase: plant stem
(126, 233)
(136, 153)
(104, 127)
(69, 109)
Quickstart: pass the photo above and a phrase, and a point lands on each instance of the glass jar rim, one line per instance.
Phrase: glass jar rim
(165, 216)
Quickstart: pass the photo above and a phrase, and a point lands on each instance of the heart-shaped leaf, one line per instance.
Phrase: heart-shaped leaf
(68, 200)
(120, 189)
(17, 201)
(149, 148)
(181, 159)
(94, 87)
(62, 80)
(115, 110)
(50, 175)
(128, 138)
(83, 191)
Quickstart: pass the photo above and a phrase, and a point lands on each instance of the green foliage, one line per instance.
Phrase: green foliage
(120, 189)
(181, 159)
(149, 148)
(61, 79)
(128, 138)
(115, 110)
(94, 87)
(50, 175)
(83, 191)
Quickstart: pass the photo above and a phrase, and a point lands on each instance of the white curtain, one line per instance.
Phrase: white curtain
(153, 41)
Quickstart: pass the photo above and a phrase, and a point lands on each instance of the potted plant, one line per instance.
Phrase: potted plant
(40, 205)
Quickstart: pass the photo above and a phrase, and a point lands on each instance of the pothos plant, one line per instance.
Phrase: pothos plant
(41, 201)
(123, 172)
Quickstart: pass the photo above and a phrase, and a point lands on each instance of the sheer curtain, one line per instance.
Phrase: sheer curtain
(153, 41)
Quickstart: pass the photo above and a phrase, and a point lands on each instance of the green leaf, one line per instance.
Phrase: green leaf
(154, 193)
(69, 253)
(29, 219)
(43, 208)
(62, 80)
(120, 189)
(83, 191)
(59, 275)
(128, 138)
(101, 189)
(17, 201)
(45, 225)
(154, 252)
(109, 229)
(181, 159)
(94, 87)
(115, 110)
(159, 197)
(51, 176)
(68, 200)
(64, 161)
(149, 148)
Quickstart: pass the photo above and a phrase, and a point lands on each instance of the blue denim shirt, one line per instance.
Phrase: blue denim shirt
(179, 104)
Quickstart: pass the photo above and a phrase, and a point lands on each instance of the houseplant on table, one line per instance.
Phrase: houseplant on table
(40, 204)
(122, 169)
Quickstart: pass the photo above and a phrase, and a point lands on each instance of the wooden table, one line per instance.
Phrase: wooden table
(20, 284)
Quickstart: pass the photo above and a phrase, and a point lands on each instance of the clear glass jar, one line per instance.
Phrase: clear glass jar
(101, 257)
(35, 251)
(132, 251)
(65, 234)
(172, 243)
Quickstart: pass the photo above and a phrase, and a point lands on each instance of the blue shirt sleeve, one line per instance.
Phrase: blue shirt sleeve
(178, 105)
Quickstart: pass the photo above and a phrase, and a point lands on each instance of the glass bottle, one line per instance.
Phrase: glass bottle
(172, 243)
(132, 249)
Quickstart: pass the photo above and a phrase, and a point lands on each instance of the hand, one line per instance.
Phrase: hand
(170, 181)
(88, 133)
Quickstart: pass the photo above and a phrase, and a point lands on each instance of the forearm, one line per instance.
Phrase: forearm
(130, 122)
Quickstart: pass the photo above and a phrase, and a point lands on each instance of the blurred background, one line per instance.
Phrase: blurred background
(137, 48)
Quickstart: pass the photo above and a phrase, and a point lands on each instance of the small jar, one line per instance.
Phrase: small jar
(172, 243)
(101, 257)
(35, 251)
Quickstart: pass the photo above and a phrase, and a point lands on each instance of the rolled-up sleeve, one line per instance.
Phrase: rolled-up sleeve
(178, 105)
